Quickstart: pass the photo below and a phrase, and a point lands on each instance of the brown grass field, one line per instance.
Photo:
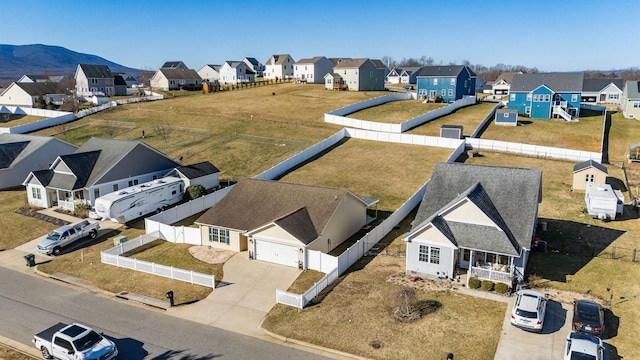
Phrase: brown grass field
(10, 354)
(26, 119)
(354, 315)
(395, 112)
(469, 117)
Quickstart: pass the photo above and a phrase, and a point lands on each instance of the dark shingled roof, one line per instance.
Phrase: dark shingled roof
(43, 176)
(303, 210)
(509, 196)
(38, 88)
(96, 71)
(350, 63)
(10, 151)
(588, 164)
(174, 65)
(558, 82)
(633, 89)
(444, 71)
(197, 170)
(595, 85)
(81, 165)
(253, 61)
(186, 74)
(119, 80)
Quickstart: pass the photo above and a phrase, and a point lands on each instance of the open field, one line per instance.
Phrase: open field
(354, 315)
(385, 171)
(469, 117)
(575, 237)
(585, 134)
(10, 120)
(395, 112)
(241, 132)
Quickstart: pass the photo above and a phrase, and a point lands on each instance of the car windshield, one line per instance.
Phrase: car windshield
(581, 356)
(53, 235)
(526, 314)
(87, 341)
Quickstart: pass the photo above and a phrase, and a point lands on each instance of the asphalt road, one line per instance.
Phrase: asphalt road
(29, 305)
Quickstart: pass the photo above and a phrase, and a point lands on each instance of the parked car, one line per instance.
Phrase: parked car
(408, 87)
(74, 342)
(529, 310)
(588, 317)
(581, 346)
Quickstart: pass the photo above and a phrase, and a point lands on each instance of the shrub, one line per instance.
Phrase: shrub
(82, 210)
(194, 191)
(501, 288)
(474, 283)
(487, 285)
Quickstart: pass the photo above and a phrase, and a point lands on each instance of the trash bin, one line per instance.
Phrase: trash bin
(30, 259)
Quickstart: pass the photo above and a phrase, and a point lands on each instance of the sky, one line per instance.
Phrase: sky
(570, 35)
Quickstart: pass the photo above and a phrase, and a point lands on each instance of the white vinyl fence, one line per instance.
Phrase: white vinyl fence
(489, 118)
(113, 257)
(337, 116)
(545, 152)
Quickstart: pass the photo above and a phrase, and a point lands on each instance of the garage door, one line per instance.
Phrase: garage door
(277, 253)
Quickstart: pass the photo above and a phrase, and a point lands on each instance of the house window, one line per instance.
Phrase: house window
(96, 193)
(491, 258)
(115, 187)
(371, 74)
(450, 92)
(574, 97)
(328, 81)
(35, 193)
(506, 115)
(527, 110)
(453, 81)
(130, 183)
(435, 81)
(434, 256)
(513, 97)
(423, 255)
(547, 98)
(589, 178)
(613, 96)
(422, 92)
(443, 92)
(636, 105)
(154, 177)
(536, 98)
(466, 254)
(528, 97)
(219, 235)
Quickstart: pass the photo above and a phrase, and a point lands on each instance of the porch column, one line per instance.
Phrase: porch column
(470, 268)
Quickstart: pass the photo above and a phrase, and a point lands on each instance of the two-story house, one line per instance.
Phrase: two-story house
(547, 95)
(279, 67)
(210, 73)
(313, 70)
(631, 100)
(360, 74)
(94, 80)
(254, 65)
(451, 82)
(234, 72)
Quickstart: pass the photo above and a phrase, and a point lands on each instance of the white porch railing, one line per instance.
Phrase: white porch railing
(490, 274)
(70, 205)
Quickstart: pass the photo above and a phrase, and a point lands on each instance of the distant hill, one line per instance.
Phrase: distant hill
(37, 59)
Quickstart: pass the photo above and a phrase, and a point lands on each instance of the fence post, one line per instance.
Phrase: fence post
(633, 259)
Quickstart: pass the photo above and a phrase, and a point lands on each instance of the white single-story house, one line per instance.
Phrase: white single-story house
(606, 91)
(98, 167)
(203, 173)
(26, 94)
(589, 172)
(279, 222)
(21, 154)
(477, 218)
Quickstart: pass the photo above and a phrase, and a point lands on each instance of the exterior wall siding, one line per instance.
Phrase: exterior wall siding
(444, 268)
(541, 109)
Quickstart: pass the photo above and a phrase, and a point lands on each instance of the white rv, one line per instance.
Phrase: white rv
(138, 200)
(603, 202)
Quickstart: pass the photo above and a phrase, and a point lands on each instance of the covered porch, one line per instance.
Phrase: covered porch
(484, 265)
(68, 200)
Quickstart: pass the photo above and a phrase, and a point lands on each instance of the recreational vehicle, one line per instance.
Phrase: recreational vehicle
(603, 202)
(138, 200)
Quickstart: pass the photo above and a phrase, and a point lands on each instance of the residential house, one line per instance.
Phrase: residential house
(480, 82)
(361, 74)
(606, 91)
(451, 82)
(94, 80)
(630, 103)
(174, 65)
(41, 78)
(588, 172)
(120, 85)
(27, 94)
(98, 167)
(280, 222)
(279, 67)
(203, 173)
(313, 70)
(254, 65)
(21, 154)
(394, 76)
(503, 83)
(210, 73)
(477, 218)
(547, 95)
(409, 75)
(333, 81)
(175, 79)
(234, 72)
(131, 81)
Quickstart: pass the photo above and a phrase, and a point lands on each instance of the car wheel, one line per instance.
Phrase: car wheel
(56, 251)
(45, 353)
(93, 234)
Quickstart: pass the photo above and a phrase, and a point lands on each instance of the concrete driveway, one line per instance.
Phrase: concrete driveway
(247, 295)
(524, 345)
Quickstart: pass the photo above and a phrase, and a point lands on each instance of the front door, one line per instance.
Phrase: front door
(603, 97)
(464, 258)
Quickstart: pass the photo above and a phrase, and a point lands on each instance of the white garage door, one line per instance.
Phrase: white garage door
(277, 253)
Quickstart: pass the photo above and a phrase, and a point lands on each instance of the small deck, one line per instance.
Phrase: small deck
(489, 273)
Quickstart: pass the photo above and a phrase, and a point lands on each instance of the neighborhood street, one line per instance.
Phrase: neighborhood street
(30, 304)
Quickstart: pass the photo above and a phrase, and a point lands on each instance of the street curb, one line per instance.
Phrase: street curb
(20, 347)
(323, 350)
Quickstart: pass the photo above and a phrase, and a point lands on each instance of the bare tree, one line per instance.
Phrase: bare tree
(63, 127)
(163, 131)
(389, 62)
(109, 127)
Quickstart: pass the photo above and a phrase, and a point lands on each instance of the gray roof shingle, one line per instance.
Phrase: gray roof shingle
(444, 71)
(96, 71)
(509, 196)
(10, 151)
(197, 170)
(633, 89)
(186, 74)
(558, 82)
(595, 85)
(588, 164)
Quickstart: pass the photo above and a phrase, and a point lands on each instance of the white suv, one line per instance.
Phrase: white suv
(581, 346)
(529, 310)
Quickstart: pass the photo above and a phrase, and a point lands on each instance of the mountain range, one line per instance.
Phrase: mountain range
(38, 59)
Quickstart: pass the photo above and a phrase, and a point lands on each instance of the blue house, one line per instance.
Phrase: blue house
(547, 95)
(451, 82)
